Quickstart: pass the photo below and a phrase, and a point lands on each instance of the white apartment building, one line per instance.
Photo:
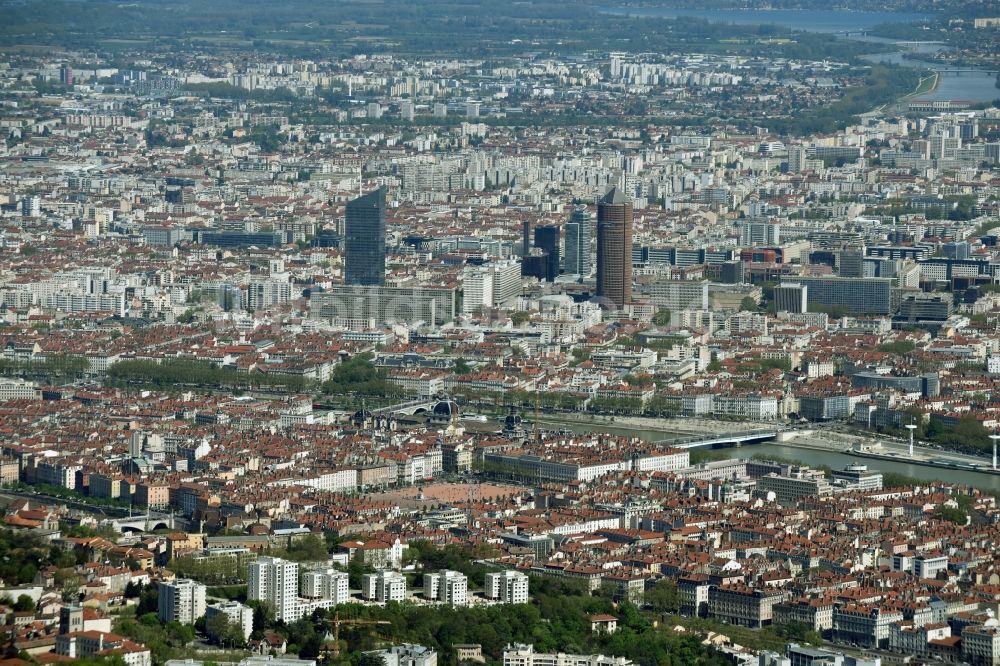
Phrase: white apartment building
(384, 586)
(181, 600)
(477, 290)
(325, 584)
(275, 581)
(450, 587)
(510, 587)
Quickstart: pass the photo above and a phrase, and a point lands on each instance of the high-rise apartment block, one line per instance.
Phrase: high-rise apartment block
(275, 581)
(450, 587)
(384, 586)
(510, 587)
(181, 600)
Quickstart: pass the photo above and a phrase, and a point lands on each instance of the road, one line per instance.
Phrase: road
(836, 437)
(104, 510)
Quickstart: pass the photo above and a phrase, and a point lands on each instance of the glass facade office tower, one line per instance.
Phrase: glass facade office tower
(578, 234)
(614, 249)
(547, 240)
(364, 251)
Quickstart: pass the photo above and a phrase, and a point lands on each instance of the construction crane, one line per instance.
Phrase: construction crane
(336, 622)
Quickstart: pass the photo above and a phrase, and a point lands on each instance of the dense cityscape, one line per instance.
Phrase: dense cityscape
(544, 334)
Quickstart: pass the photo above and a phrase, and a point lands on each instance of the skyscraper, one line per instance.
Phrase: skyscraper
(364, 253)
(614, 248)
(578, 233)
(547, 240)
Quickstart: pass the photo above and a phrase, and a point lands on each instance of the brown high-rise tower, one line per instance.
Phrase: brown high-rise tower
(614, 249)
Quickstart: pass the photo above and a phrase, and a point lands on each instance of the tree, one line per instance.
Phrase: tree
(223, 631)
(371, 659)
(662, 597)
(24, 604)
(461, 367)
(662, 317)
(748, 304)
(951, 514)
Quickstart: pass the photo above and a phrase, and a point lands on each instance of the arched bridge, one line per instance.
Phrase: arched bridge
(149, 522)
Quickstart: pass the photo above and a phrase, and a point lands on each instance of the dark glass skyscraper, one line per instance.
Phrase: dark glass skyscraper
(547, 240)
(614, 248)
(579, 230)
(364, 240)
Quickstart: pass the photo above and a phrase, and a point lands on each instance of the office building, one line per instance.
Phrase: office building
(851, 263)
(275, 581)
(384, 586)
(240, 239)
(731, 272)
(858, 477)
(614, 249)
(525, 238)
(450, 587)
(547, 240)
(848, 295)
(925, 307)
(510, 587)
(677, 295)
(927, 385)
(383, 304)
(757, 234)
(579, 230)
(791, 297)
(181, 600)
(364, 241)
(795, 484)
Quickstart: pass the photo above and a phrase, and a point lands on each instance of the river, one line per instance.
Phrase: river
(809, 20)
(972, 86)
(811, 457)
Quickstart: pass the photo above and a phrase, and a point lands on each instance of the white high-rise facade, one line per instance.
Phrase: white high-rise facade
(275, 581)
(325, 584)
(451, 587)
(477, 290)
(384, 586)
(180, 600)
(510, 587)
